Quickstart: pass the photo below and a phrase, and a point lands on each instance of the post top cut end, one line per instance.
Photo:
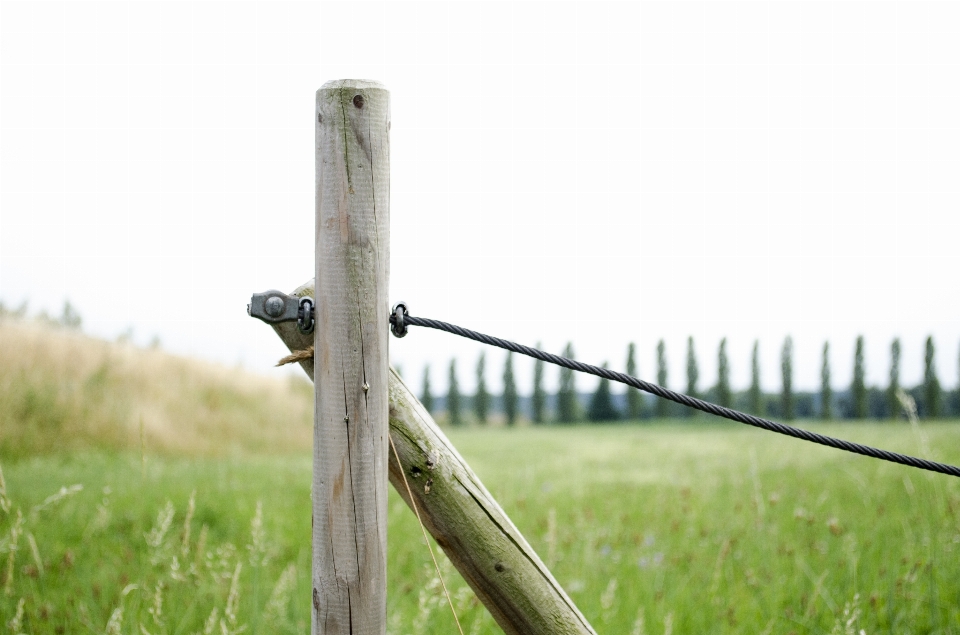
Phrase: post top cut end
(352, 83)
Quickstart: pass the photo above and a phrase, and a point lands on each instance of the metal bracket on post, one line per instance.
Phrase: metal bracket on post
(274, 307)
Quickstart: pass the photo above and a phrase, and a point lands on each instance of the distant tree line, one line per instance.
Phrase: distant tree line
(567, 405)
(68, 316)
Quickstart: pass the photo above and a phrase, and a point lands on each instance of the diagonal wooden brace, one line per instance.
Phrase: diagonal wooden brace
(469, 525)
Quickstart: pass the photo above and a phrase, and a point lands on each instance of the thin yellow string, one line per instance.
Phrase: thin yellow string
(426, 539)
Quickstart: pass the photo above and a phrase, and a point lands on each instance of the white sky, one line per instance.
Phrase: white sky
(594, 172)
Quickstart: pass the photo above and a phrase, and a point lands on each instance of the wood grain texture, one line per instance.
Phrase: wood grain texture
(465, 520)
(350, 339)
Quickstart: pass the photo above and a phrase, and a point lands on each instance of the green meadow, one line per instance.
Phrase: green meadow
(706, 528)
(696, 526)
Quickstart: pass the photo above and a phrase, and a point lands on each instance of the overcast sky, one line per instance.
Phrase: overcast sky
(591, 172)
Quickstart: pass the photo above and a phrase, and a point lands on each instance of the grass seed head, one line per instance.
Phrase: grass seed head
(16, 622)
(115, 623)
(275, 614)
(191, 508)
(4, 499)
(258, 539)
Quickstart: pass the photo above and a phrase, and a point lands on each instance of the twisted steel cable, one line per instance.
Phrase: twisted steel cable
(685, 400)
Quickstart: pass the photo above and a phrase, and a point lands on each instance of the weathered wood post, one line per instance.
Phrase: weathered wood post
(461, 515)
(350, 443)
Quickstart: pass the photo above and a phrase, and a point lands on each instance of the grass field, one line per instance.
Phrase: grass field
(706, 528)
(150, 494)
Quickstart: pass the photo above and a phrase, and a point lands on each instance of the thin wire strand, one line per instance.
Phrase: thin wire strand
(426, 539)
(685, 400)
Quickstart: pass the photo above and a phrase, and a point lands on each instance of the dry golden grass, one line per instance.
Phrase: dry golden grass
(62, 390)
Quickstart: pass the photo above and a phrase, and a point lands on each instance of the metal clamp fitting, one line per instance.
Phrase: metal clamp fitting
(274, 307)
(305, 319)
(397, 327)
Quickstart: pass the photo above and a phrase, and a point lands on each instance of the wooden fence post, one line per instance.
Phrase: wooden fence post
(350, 443)
(466, 521)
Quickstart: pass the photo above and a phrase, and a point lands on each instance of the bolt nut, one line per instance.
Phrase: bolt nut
(273, 306)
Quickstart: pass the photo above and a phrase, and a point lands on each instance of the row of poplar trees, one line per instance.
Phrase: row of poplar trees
(858, 402)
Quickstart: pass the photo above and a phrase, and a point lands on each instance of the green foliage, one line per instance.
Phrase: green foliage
(601, 404)
(18, 313)
(662, 405)
(427, 397)
(724, 395)
(453, 396)
(893, 403)
(539, 399)
(510, 399)
(931, 385)
(69, 317)
(786, 372)
(826, 391)
(755, 394)
(634, 397)
(481, 400)
(700, 526)
(568, 409)
(693, 375)
(858, 389)
(112, 545)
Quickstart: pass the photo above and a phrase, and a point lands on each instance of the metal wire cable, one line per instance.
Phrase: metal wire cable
(685, 400)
